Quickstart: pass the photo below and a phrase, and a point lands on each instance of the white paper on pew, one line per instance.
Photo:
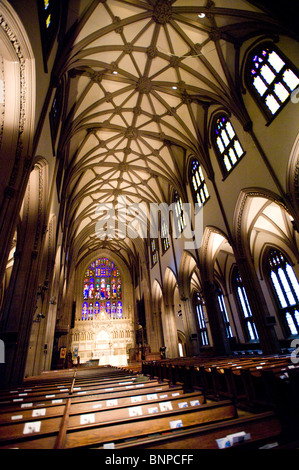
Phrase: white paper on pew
(112, 402)
(183, 404)
(34, 426)
(152, 396)
(164, 396)
(135, 411)
(59, 400)
(40, 412)
(167, 406)
(194, 402)
(178, 423)
(18, 399)
(17, 417)
(139, 385)
(50, 396)
(233, 439)
(87, 418)
(26, 405)
(176, 394)
(239, 437)
(136, 399)
(108, 389)
(153, 409)
(109, 445)
(99, 405)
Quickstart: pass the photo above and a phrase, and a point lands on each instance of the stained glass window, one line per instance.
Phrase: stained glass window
(179, 217)
(119, 312)
(201, 319)
(198, 185)
(244, 307)
(102, 281)
(286, 290)
(96, 308)
(227, 144)
(270, 77)
(222, 306)
(84, 311)
(154, 253)
(164, 235)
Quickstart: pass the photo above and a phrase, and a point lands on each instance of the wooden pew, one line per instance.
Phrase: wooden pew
(264, 428)
(93, 435)
(126, 410)
(130, 400)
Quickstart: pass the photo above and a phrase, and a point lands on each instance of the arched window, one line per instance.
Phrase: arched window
(198, 185)
(226, 143)
(179, 218)
(96, 308)
(201, 319)
(50, 12)
(270, 77)
(164, 235)
(154, 253)
(286, 290)
(244, 307)
(119, 311)
(222, 306)
(108, 309)
(84, 311)
(102, 281)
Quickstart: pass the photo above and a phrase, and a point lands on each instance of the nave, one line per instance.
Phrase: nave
(183, 403)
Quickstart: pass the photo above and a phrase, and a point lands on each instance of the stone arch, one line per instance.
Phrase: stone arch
(186, 268)
(213, 240)
(292, 178)
(17, 116)
(168, 316)
(248, 206)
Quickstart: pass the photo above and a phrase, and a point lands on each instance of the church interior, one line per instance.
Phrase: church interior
(149, 224)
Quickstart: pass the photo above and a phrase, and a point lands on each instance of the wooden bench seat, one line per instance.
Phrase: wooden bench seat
(108, 402)
(104, 393)
(263, 428)
(93, 435)
(130, 411)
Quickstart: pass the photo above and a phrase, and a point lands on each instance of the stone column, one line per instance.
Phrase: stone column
(190, 327)
(170, 332)
(216, 322)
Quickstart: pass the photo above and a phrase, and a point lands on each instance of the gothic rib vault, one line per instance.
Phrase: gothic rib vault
(144, 79)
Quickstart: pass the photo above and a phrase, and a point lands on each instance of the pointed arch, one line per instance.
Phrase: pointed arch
(186, 268)
(213, 240)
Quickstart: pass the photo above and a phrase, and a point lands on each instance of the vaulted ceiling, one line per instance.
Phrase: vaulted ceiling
(143, 78)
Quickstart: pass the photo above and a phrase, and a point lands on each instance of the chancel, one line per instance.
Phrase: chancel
(149, 224)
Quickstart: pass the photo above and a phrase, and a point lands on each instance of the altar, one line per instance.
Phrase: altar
(108, 340)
